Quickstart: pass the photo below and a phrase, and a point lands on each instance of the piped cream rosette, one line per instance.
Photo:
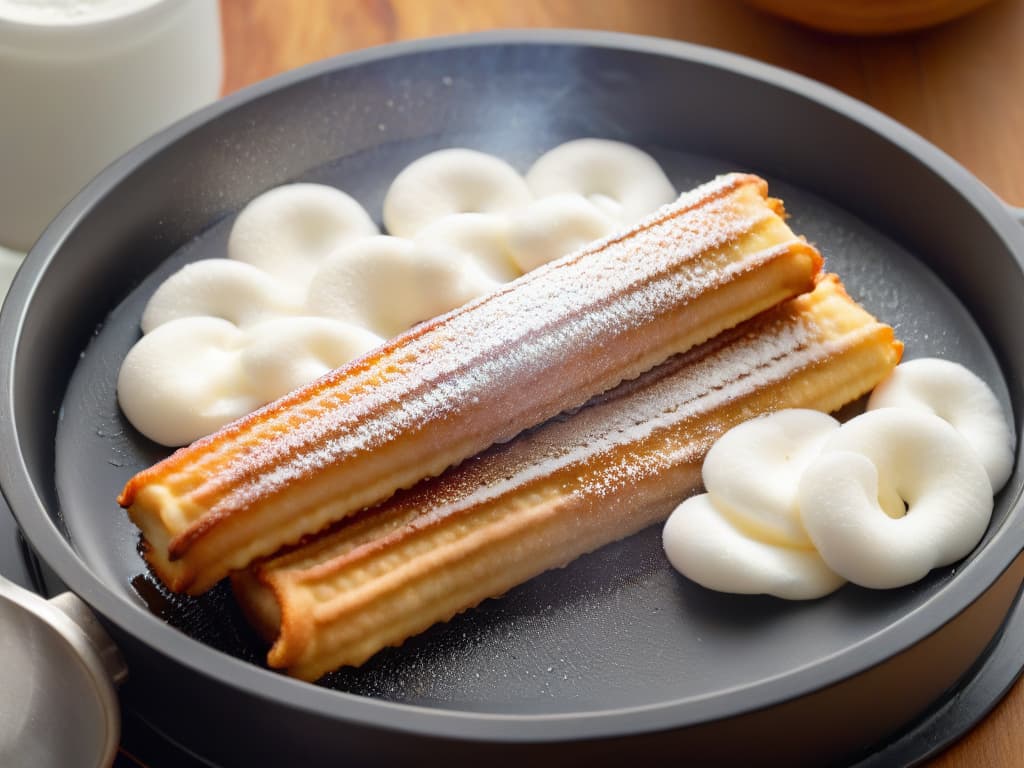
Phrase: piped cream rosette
(797, 504)
(310, 283)
(744, 535)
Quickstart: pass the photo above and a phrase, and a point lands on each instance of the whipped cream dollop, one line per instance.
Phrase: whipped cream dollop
(389, 284)
(451, 181)
(310, 283)
(744, 535)
(913, 460)
(752, 472)
(195, 374)
(797, 504)
(958, 396)
(288, 231)
(624, 182)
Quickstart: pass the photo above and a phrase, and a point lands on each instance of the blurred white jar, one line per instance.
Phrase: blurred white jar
(83, 81)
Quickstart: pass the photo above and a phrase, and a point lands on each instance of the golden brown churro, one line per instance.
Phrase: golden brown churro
(558, 491)
(451, 387)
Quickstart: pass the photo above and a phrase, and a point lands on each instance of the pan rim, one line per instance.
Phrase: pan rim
(971, 583)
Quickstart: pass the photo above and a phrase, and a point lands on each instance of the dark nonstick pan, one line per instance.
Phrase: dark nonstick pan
(616, 655)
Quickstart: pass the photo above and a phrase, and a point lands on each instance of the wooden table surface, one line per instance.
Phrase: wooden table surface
(960, 85)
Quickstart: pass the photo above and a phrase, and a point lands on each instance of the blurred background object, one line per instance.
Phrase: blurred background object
(957, 84)
(869, 17)
(84, 81)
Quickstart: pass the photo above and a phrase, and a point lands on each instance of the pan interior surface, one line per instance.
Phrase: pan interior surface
(618, 628)
(617, 631)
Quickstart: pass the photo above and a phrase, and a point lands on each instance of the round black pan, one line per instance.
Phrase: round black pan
(616, 653)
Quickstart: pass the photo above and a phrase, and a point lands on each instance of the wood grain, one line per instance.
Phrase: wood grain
(960, 85)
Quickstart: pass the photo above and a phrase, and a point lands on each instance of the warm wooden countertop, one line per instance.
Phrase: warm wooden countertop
(960, 85)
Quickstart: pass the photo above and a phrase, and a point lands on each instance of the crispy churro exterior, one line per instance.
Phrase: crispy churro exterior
(451, 387)
(555, 492)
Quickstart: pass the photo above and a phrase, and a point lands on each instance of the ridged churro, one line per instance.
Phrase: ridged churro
(558, 491)
(453, 386)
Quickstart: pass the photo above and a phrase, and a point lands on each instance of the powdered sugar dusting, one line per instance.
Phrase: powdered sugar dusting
(645, 428)
(681, 400)
(506, 353)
